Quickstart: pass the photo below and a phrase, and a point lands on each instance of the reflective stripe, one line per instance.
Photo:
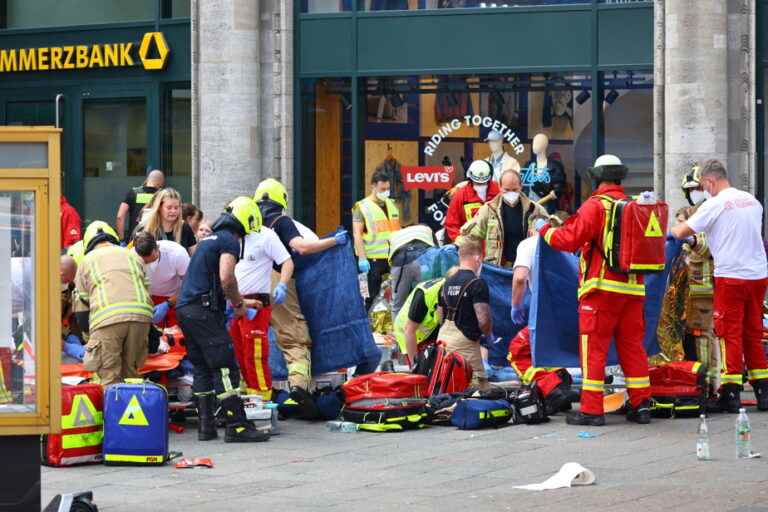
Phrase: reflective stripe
(758, 374)
(548, 235)
(81, 459)
(431, 291)
(69, 441)
(378, 226)
(145, 459)
(592, 385)
(143, 197)
(584, 353)
(597, 283)
(530, 374)
(637, 382)
(258, 363)
(377, 427)
(298, 369)
(470, 209)
(122, 308)
(646, 266)
(731, 379)
(695, 367)
(229, 390)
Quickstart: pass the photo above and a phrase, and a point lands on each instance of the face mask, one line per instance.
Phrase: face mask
(511, 197)
(383, 195)
(481, 190)
(698, 196)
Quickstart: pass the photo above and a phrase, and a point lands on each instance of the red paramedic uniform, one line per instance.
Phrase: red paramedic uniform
(70, 224)
(610, 304)
(464, 205)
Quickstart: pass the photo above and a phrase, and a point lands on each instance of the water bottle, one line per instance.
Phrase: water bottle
(702, 443)
(743, 436)
(342, 426)
(362, 280)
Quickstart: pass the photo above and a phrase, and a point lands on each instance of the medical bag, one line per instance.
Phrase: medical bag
(135, 424)
(451, 373)
(393, 419)
(385, 385)
(80, 441)
(678, 388)
(635, 235)
(475, 413)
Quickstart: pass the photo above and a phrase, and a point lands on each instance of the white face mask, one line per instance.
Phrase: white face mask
(698, 196)
(511, 197)
(481, 190)
(383, 195)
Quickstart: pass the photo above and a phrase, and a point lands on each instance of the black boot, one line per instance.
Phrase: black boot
(305, 404)
(239, 429)
(206, 423)
(730, 398)
(640, 414)
(761, 394)
(589, 420)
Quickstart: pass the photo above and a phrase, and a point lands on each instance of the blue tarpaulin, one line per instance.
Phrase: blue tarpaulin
(330, 300)
(499, 281)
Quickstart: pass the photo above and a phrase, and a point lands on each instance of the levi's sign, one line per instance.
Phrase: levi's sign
(103, 55)
(427, 177)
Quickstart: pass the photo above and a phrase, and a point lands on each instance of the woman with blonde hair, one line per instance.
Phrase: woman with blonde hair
(163, 220)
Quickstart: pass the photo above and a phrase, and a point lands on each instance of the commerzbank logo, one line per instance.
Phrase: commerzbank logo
(151, 53)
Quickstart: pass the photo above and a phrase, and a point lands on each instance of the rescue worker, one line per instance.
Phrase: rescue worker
(72, 345)
(610, 303)
(129, 212)
(405, 248)
(70, 223)
(289, 324)
(261, 250)
(166, 264)
(732, 220)
(468, 198)
(112, 304)
(502, 222)
(417, 323)
(201, 310)
(374, 220)
(464, 304)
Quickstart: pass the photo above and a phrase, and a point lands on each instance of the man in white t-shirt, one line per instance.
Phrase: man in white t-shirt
(523, 269)
(732, 220)
(166, 265)
(261, 250)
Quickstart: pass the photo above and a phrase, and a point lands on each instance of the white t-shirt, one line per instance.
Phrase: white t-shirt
(165, 274)
(732, 221)
(526, 255)
(262, 249)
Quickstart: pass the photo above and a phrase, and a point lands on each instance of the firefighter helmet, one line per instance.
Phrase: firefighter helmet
(691, 181)
(97, 232)
(247, 214)
(273, 190)
(76, 251)
(608, 168)
(480, 171)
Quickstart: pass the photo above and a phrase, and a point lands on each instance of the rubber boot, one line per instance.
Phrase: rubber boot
(761, 394)
(305, 404)
(206, 422)
(640, 414)
(589, 420)
(239, 429)
(730, 398)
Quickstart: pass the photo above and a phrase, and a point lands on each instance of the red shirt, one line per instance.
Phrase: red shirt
(464, 205)
(70, 224)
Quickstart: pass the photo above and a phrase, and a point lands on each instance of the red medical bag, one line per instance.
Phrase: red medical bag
(678, 388)
(82, 428)
(384, 385)
(635, 236)
(451, 374)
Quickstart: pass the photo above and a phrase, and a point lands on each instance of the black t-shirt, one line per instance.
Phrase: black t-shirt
(286, 230)
(512, 217)
(476, 293)
(418, 311)
(203, 272)
(187, 236)
(136, 199)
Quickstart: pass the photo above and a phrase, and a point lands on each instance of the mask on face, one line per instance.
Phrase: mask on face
(698, 196)
(383, 195)
(511, 197)
(481, 190)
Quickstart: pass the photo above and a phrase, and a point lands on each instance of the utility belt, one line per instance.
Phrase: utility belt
(264, 298)
(207, 301)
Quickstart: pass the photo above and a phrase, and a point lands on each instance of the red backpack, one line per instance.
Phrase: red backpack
(678, 388)
(80, 441)
(451, 373)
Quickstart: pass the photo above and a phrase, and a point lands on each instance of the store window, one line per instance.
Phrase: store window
(325, 6)
(177, 142)
(176, 8)
(412, 5)
(19, 14)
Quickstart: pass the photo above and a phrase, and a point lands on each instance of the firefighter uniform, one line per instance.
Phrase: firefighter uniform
(610, 303)
(427, 329)
(465, 202)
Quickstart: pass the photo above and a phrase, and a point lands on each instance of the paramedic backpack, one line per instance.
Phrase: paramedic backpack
(81, 428)
(634, 234)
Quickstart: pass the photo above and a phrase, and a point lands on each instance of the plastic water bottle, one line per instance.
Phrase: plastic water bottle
(743, 436)
(362, 280)
(702, 443)
(342, 426)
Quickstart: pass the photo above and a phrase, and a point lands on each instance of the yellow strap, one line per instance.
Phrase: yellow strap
(143, 459)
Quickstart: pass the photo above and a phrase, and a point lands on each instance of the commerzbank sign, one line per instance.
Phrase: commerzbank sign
(94, 56)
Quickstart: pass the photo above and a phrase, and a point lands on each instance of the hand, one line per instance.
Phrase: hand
(690, 240)
(363, 265)
(239, 311)
(519, 315)
(278, 296)
(251, 313)
(161, 310)
(253, 303)
(539, 223)
(73, 348)
(341, 238)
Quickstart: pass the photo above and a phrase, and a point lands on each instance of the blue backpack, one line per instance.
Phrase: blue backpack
(475, 413)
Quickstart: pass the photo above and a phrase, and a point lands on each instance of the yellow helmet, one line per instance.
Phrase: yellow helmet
(692, 179)
(98, 231)
(273, 190)
(76, 251)
(247, 213)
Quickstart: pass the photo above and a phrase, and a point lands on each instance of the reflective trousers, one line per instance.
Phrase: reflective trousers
(292, 336)
(251, 342)
(738, 319)
(605, 316)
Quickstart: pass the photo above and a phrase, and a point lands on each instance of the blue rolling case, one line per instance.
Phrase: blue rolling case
(135, 424)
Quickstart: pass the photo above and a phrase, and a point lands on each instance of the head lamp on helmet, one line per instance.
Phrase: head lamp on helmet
(608, 168)
(97, 232)
(480, 171)
(272, 190)
(246, 212)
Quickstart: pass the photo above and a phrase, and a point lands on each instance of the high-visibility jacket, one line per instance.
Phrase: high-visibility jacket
(111, 284)
(586, 230)
(431, 290)
(379, 226)
(464, 205)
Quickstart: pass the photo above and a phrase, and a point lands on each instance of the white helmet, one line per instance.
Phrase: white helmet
(608, 168)
(480, 171)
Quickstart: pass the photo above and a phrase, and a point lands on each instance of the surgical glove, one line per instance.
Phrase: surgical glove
(160, 311)
(250, 313)
(519, 315)
(538, 224)
(363, 265)
(73, 347)
(341, 238)
(278, 296)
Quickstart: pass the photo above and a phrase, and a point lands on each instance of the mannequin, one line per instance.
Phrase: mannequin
(543, 178)
(499, 159)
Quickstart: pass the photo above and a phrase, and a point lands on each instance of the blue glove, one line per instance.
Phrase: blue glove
(278, 296)
(363, 266)
(73, 347)
(341, 238)
(160, 311)
(538, 224)
(519, 315)
(251, 313)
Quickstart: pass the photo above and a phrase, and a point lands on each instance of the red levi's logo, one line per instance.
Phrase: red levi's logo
(429, 177)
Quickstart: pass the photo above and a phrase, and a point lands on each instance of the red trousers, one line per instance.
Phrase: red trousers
(170, 318)
(251, 342)
(604, 316)
(520, 358)
(738, 319)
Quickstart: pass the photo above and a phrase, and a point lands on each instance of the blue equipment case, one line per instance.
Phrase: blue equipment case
(135, 424)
